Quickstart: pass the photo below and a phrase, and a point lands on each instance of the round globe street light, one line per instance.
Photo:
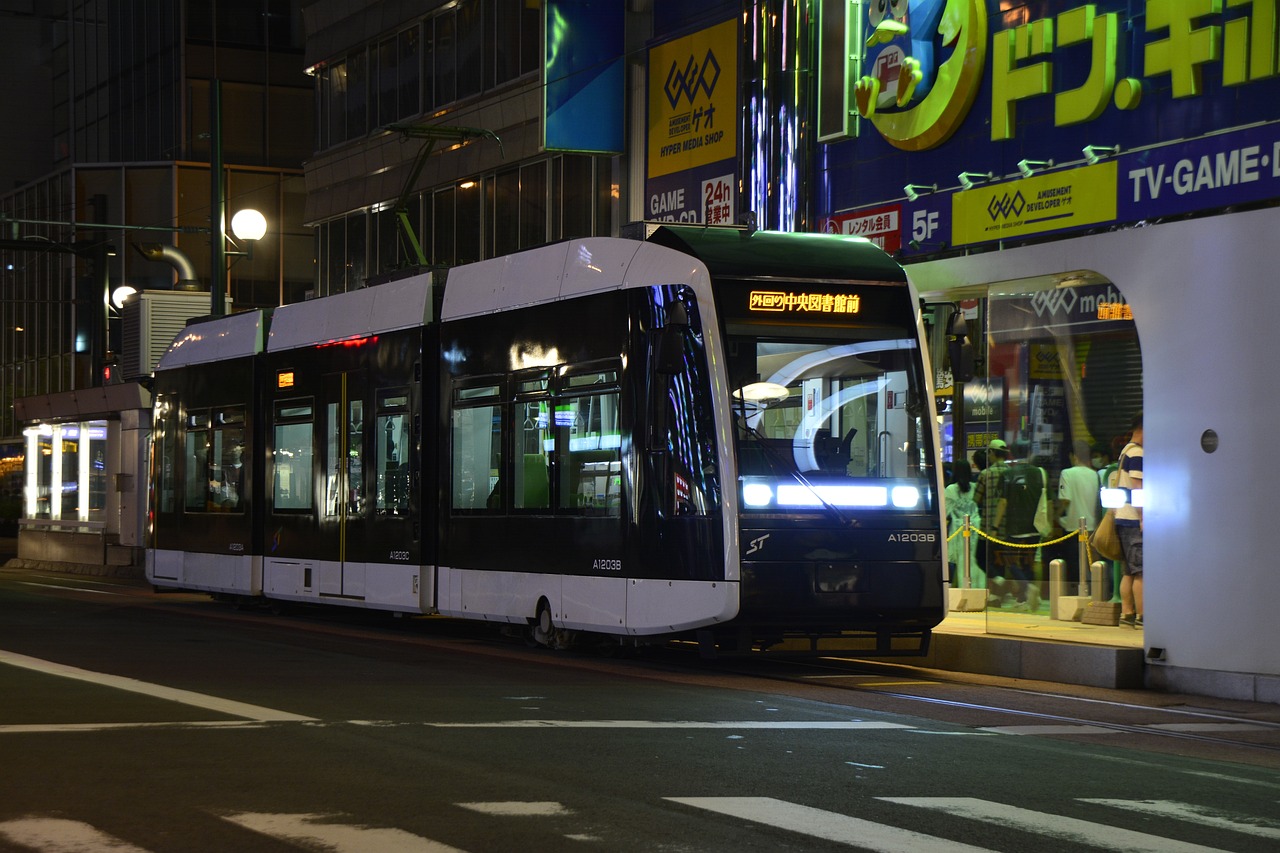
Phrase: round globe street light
(248, 224)
(121, 293)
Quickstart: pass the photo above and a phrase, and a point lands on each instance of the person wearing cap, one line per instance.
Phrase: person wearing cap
(987, 494)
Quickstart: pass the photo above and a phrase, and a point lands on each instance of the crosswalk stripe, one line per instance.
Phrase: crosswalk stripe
(827, 825)
(1056, 826)
(56, 835)
(1194, 814)
(339, 838)
(517, 809)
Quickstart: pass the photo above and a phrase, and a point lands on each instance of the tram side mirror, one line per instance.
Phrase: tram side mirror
(959, 348)
(669, 355)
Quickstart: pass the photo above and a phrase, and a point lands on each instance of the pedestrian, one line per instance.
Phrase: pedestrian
(986, 494)
(1077, 498)
(1129, 527)
(1022, 486)
(958, 499)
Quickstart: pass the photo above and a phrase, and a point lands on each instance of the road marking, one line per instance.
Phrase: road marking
(1050, 730)
(1056, 826)
(1211, 727)
(64, 586)
(829, 826)
(1196, 814)
(158, 691)
(673, 724)
(517, 809)
(55, 835)
(866, 683)
(306, 829)
(45, 728)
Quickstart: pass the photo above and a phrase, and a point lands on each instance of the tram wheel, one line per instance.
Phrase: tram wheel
(544, 631)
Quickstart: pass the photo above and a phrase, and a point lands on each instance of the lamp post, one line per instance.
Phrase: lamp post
(217, 205)
(248, 225)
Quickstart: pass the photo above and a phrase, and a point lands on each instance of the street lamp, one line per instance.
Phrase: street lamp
(250, 225)
(121, 293)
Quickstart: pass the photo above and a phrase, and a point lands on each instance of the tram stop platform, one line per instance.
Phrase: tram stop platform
(1033, 646)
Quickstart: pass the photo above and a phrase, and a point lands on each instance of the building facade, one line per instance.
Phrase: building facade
(123, 95)
(1092, 185)
(1016, 156)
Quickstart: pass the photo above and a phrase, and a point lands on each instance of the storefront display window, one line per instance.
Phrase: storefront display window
(1057, 380)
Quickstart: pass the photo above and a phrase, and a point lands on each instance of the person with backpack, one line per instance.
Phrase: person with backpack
(1021, 489)
(986, 494)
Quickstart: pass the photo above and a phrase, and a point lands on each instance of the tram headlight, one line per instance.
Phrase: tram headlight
(905, 497)
(757, 494)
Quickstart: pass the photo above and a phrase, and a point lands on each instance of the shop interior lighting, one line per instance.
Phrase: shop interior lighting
(1030, 167)
(967, 179)
(1093, 154)
(913, 191)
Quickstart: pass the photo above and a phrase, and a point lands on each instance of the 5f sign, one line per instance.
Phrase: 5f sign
(923, 224)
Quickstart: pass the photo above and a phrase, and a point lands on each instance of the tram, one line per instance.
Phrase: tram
(719, 435)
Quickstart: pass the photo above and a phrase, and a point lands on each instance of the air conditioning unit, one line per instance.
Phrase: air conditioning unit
(151, 320)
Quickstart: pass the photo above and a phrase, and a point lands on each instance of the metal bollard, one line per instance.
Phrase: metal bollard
(1056, 584)
(1095, 571)
(1082, 560)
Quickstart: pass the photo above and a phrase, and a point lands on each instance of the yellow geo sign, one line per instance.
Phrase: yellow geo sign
(693, 97)
(1069, 199)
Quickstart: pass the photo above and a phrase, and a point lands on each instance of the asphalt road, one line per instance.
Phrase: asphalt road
(143, 722)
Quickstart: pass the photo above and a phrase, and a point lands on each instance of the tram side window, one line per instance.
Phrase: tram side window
(166, 453)
(393, 441)
(534, 443)
(294, 454)
(196, 489)
(226, 460)
(589, 444)
(476, 449)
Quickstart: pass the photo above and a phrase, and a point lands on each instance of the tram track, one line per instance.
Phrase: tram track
(1167, 722)
(1147, 715)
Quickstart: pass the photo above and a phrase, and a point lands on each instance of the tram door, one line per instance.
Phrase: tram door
(345, 508)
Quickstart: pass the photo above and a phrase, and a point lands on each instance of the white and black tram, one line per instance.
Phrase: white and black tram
(712, 433)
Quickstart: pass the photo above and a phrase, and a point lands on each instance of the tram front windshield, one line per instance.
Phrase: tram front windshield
(830, 419)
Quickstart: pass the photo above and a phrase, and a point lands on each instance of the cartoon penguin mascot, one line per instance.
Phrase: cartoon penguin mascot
(900, 53)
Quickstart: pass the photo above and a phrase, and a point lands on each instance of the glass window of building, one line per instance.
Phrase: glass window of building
(1058, 380)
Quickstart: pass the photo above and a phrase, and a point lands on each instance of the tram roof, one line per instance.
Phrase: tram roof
(775, 254)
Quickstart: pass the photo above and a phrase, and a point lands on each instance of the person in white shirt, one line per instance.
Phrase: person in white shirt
(1077, 499)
